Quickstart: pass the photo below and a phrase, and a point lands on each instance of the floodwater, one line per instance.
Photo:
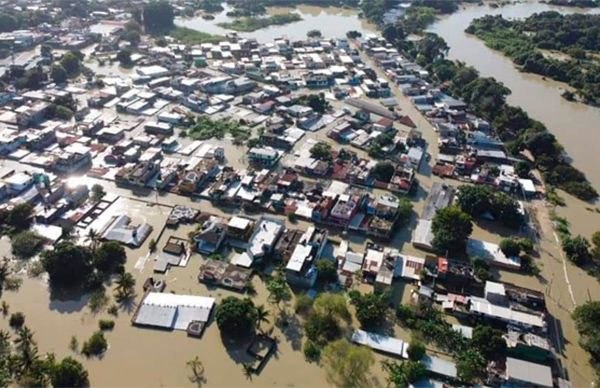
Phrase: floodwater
(576, 125)
(331, 21)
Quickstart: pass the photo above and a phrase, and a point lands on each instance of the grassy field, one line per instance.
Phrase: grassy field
(189, 36)
(250, 24)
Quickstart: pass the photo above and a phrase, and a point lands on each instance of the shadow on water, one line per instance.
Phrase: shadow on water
(68, 300)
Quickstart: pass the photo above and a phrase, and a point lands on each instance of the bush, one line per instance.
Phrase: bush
(510, 247)
(106, 324)
(321, 328)
(26, 244)
(95, 345)
(16, 320)
(371, 308)
(303, 304)
(312, 352)
(69, 373)
(416, 350)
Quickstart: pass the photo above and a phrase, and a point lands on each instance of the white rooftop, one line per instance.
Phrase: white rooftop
(172, 311)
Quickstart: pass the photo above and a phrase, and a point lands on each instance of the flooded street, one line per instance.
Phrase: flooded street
(331, 21)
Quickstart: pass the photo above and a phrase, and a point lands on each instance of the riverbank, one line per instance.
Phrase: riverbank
(250, 24)
(523, 41)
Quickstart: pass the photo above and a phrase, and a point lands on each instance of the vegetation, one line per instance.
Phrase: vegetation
(68, 264)
(21, 364)
(404, 373)
(321, 151)
(26, 244)
(480, 199)
(192, 37)
(279, 291)
(316, 102)
(303, 304)
(522, 40)
(314, 34)
(106, 324)
(124, 58)
(69, 373)
(16, 320)
(416, 350)
(587, 321)
(489, 342)
(312, 351)
(371, 308)
(470, 366)
(347, 365)
(125, 287)
(383, 171)
(205, 128)
(95, 345)
(236, 317)
(577, 249)
(158, 17)
(451, 227)
(249, 24)
(327, 270)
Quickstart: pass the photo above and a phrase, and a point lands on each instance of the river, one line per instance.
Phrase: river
(333, 22)
(577, 126)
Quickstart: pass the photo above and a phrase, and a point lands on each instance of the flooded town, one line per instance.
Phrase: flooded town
(305, 193)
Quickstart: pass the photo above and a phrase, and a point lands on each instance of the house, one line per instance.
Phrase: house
(174, 312)
(120, 229)
(18, 182)
(440, 196)
(139, 175)
(493, 254)
(159, 128)
(300, 270)
(239, 231)
(262, 242)
(74, 157)
(223, 274)
(263, 156)
(527, 374)
(211, 235)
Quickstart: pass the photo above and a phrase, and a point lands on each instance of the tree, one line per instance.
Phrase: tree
(451, 227)
(321, 328)
(510, 247)
(587, 321)
(236, 317)
(489, 342)
(332, 305)
(470, 366)
(16, 320)
(327, 270)
(371, 308)
(110, 257)
(262, 316)
(58, 74)
(20, 216)
(431, 48)
(197, 368)
(577, 249)
(279, 290)
(95, 345)
(317, 102)
(124, 58)
(383, 171)
(347, 365)
(69, 373)
(416, 350)
(68, 265)
(596, 245)
(522, 169)
(312, 351)
(321, 151)
(125, 289)
(71, 62)
(158, 16)
(98, 191)
(314, 34)
(26, 244)
(405, 373)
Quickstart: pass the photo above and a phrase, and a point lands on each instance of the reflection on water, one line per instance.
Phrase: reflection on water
(577, 126)
(331, 21)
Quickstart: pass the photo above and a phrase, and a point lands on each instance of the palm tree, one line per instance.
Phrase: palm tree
(247, 371)
(125, 287)
(262, 316)
(197, 370)
(4, 271)
(4, 308)
(27, 352)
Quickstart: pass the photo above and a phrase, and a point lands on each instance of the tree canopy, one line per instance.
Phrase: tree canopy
(236, 317)
(347, 365)
(158, 16)
(451, 227)
(67, 264)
